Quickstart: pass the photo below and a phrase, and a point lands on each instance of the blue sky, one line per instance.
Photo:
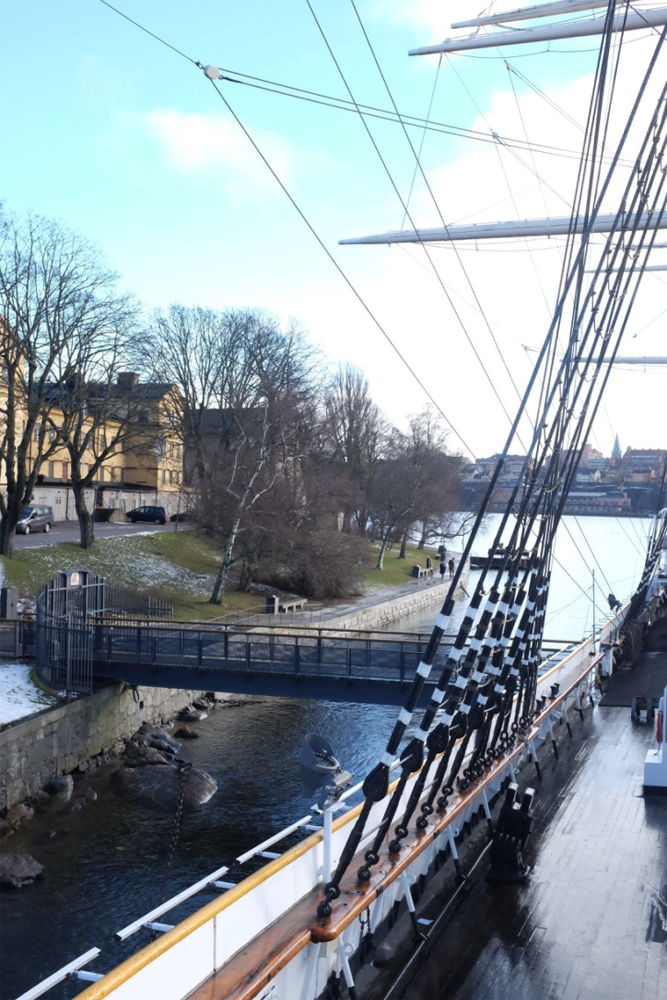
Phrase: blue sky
(126, 141)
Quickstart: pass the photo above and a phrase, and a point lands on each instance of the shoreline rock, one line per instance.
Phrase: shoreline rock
(17, 870)
(150, 748)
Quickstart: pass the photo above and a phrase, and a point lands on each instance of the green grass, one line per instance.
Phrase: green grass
(175, 566)
(395, 571)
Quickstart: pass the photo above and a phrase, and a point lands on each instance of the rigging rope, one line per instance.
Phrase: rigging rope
(460, 686)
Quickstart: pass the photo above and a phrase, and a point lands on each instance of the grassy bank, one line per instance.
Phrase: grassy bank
(177, 567)
(395, 571)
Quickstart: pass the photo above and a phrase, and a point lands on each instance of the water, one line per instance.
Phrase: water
(109, 863)
(612, 548)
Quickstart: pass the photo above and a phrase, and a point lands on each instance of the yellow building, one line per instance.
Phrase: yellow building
(146, 467)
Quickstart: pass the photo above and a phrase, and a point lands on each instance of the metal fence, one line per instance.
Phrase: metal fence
(67, 609)
(17, 637)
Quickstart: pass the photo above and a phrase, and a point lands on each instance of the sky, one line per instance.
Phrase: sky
(125, 140)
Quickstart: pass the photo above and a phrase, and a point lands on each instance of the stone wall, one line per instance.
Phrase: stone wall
(55, 742)
(429, 595)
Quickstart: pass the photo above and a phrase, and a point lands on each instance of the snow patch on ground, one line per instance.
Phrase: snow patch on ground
(19, 696)
(156, 571)
(126, 563)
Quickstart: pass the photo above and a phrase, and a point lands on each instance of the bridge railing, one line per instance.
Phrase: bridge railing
(348, 656)
(195, 654)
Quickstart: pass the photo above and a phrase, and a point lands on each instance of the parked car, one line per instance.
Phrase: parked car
(35, 518)
(157, 515)
(183, 515)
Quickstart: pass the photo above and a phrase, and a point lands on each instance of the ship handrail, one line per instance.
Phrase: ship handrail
(254, 851)
(60, 974)
(213, 910)
(169, 904)
(207, 880)
(203, 883)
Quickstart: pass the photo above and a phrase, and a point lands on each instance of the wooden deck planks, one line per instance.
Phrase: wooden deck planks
(599, 852)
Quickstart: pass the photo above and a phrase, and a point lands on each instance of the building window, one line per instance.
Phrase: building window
(164, 476)
(52, 470)
(142, 417)
(65, 472)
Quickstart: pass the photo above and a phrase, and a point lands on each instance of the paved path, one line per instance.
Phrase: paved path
(374, 598)
(381, 595)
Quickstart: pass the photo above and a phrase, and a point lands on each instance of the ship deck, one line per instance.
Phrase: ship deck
(591, 923)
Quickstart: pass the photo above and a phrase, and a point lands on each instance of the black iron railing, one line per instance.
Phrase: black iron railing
(67, 609)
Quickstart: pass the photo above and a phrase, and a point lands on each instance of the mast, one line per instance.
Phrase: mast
(529, 13)
(624, 21)
(559, 226)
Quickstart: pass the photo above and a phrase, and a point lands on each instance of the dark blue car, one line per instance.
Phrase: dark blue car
(156, 515)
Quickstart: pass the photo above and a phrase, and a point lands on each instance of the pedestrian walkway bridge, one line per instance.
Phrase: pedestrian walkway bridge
(297, 661)
(88, 632)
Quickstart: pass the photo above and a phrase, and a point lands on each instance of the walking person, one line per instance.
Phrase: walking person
(443, 567)
(452, 567)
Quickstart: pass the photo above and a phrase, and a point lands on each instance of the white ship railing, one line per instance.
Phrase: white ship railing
(193, 950)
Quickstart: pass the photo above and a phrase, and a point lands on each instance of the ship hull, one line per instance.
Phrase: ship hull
(264, 932)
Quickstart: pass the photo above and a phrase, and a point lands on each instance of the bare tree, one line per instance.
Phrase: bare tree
(437, 476)
(291, 539)
(358, 433)
(193, 348)
(99, 409)
(394, 499)
(58, 298)
(249, 394)
(416, 486)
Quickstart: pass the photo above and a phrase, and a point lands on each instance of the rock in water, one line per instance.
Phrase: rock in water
(161, 786)
(186, 733)
(191, 714)
(158, 739)
(140, 756)
(19, 815)
(17, 870)
(60, 792)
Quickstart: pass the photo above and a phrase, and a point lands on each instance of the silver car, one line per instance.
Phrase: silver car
(35, 518)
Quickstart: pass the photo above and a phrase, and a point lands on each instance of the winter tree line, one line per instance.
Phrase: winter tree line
(289, 466)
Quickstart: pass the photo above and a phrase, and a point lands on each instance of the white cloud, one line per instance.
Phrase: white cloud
(431, 16)
(211, 144)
